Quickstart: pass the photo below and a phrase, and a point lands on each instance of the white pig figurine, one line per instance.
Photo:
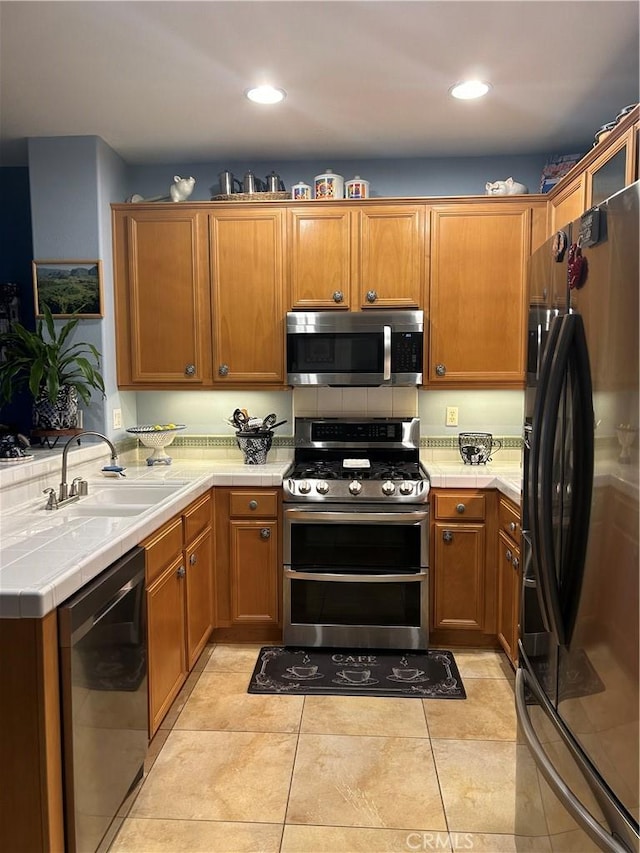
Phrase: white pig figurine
(508, 187)
(181, 188)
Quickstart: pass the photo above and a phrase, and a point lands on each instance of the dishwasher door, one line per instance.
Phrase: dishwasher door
(103, 668)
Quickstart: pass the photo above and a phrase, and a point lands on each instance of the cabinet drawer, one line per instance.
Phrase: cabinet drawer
(460, 506)
(162, 548)
(197, 517)
(509, 519)
(263, 504)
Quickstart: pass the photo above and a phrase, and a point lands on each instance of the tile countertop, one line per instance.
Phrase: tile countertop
(504, 476)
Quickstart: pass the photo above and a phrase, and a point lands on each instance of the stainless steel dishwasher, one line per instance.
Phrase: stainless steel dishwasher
(103, 668)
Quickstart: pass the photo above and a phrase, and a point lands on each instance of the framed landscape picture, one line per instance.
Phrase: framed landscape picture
(69, 288)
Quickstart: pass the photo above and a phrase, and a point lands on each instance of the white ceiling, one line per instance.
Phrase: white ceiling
(163, 82)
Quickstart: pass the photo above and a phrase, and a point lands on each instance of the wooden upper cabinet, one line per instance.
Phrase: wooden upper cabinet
(322, 256)
(569, 204)
(478, 303)
(163, 331)
(248, 305)
(393, 248)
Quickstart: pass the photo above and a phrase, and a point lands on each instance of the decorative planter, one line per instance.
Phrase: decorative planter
(63, 414)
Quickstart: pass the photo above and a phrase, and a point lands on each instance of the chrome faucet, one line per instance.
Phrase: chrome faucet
(64, 494)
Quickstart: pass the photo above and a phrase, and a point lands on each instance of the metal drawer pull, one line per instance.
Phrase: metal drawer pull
(460, 508)
(371, 295)
(253, 504)
(516, 563)
(190, 370)
(223, 370)
(338, 296)
(181, 572)
(512, 526)
(193, 559)
(447, 536)
(440, 370)
(265, 533)
(509, 555)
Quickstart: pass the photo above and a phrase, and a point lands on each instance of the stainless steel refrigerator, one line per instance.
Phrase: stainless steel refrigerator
(577, 755)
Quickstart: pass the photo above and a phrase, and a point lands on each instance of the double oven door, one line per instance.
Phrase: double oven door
(356, 576)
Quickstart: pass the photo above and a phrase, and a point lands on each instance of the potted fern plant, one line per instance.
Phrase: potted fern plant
(58, 373)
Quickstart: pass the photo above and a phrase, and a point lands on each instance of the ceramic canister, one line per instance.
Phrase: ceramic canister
(329, 186)
(301, 192)
(356, 188)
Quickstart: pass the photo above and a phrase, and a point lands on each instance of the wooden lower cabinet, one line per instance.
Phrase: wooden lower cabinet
(463, 582)
(179, 576)
(509, 577)
(248, 571)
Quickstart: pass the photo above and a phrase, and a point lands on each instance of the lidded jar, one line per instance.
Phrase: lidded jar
(329, 186)
(357, 188)
(301, 192)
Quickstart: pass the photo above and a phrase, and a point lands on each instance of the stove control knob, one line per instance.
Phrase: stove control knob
(304, 487)
(388, 488)
(322, 487)
(406, 487)
(355, 487)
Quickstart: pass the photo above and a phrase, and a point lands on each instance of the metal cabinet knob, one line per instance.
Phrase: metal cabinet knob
(447, 536)
(460, 508)
(181, 572)
(338, 296)
(253, 504)
(371, 295)
(509, 555)
(512, 526)
(265, 533)
(516, 563)
(223, 370)
(440, 370)
(193, 559)
(190, 370)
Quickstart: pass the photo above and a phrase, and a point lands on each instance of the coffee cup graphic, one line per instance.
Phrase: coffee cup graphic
(405, 674)
(303, 671)
(356, 676)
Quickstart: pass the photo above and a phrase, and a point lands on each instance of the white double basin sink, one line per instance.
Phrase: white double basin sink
(119, 499)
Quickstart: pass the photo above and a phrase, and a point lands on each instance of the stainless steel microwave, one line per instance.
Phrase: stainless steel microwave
(355, 348)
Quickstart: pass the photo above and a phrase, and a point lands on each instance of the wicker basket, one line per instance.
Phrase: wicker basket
(279, 196)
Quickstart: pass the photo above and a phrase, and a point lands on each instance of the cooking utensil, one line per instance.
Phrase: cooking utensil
(269, 420)
(240, 418)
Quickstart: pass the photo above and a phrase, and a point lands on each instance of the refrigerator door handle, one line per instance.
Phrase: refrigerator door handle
(538, 570)
(576, 809)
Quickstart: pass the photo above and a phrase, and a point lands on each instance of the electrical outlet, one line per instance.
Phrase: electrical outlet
(117, 418)
(452, 416)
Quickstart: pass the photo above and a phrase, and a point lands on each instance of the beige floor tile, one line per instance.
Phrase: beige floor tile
(363, 715)
(478, 784)
(482, 663)
(234, 776)
(475, 842)
(220, 702)
(196, 836)
(488, 712)
(385, 782)
(233, 658)
(349, 839)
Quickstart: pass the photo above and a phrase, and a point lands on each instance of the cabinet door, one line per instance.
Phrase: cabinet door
(569, 203)
(478, 294)
(254, 572)
(322, 256)
(248, 297)
(163, 326)
(459, 576)
(392, 256)
(508, 595)
(166, 641)
(199, 593)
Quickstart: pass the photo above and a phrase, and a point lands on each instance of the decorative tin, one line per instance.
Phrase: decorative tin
(329, 186)
(357, 188)
(301, 192)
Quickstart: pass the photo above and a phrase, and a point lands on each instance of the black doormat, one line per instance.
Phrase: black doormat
(356, 672)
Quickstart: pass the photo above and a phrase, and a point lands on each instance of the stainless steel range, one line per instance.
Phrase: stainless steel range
(356, 535)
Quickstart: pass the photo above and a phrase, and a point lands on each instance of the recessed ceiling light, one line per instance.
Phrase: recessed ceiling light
(266, 95)
(469, 89)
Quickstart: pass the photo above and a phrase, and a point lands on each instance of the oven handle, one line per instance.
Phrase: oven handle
(357, 517)
(353, 578)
